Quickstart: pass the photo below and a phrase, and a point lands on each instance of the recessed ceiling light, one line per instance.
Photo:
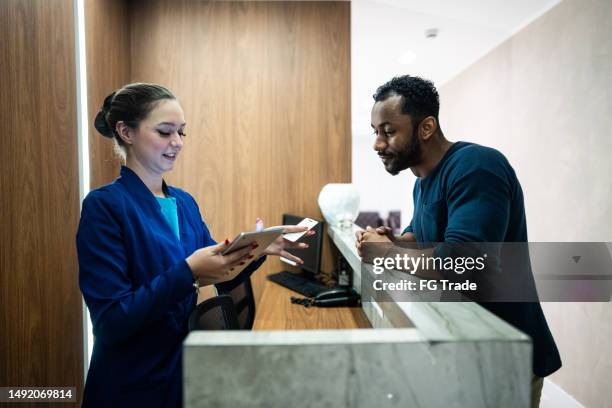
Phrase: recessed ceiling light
(407, 58)
(431, 33)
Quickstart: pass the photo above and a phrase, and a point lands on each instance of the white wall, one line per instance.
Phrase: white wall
(378, 189)
(384, 34)
(543, 98)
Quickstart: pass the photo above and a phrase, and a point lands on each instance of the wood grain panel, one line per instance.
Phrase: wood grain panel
(107, 34)
(41, 308)
(266, 91)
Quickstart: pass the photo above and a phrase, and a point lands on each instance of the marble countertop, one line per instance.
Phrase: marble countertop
(435, 321)
(408, 321)
(420, 354)
(301, 337)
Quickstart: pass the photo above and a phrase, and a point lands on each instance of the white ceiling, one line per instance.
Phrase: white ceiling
(388, 39)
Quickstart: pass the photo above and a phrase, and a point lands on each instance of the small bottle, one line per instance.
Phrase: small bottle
(345, 273)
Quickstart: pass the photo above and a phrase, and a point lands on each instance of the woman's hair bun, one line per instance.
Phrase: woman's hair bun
(100, 122)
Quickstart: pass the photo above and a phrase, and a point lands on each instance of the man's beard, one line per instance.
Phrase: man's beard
(411, 156)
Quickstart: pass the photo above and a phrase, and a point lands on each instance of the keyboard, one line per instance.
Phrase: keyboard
(298, 283)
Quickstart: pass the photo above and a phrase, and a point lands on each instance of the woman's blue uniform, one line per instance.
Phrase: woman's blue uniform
(139, 291)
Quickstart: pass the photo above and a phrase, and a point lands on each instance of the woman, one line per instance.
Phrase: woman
(141, 246)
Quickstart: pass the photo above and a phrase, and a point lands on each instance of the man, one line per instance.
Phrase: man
(463, 193)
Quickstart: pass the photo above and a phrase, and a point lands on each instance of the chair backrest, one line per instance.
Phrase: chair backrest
(244, 304)
(216, 313)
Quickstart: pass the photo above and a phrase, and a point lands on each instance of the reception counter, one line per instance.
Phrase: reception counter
(417, 354)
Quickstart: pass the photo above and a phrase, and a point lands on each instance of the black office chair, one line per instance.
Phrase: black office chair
(216, 313)
(244, 304)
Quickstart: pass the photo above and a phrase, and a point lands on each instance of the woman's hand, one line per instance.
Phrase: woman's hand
(279, 246)
(210, 267)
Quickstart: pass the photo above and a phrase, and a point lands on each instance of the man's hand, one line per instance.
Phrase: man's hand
(388, 232)
(372, 235)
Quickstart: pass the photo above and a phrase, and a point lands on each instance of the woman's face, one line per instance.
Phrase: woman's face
(159, 138)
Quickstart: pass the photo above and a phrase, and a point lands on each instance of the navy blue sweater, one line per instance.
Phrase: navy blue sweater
(473, 195)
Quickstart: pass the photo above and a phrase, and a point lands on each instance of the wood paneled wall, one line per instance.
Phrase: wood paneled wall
(41, 337)
(108, 68)
(266, 91)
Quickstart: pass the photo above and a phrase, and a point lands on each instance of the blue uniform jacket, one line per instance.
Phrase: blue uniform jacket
(139, 291)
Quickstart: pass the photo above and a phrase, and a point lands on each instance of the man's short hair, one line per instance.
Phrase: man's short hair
(420, 97)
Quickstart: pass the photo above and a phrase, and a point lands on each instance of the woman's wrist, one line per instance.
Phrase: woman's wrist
(189, 262)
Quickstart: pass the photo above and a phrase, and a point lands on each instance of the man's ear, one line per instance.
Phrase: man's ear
(124, 132)
(427, 128)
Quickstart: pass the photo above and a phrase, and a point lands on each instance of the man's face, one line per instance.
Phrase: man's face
(397, 141)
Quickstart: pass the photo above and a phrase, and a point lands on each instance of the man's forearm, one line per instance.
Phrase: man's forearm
(407, 237)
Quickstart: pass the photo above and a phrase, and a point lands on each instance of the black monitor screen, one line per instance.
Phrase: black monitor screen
(311, 255)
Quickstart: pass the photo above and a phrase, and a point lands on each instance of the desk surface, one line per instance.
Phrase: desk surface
(276, 312)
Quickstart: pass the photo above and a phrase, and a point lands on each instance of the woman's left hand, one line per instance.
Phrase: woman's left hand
(279, 246)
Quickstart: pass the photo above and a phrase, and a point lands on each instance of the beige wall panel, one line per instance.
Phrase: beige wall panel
(543, 98)
(266, 88)
(41, 331)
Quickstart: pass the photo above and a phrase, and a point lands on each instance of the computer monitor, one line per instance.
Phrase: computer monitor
(311, 255)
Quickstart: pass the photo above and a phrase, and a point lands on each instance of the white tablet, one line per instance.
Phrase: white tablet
(262, 238)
